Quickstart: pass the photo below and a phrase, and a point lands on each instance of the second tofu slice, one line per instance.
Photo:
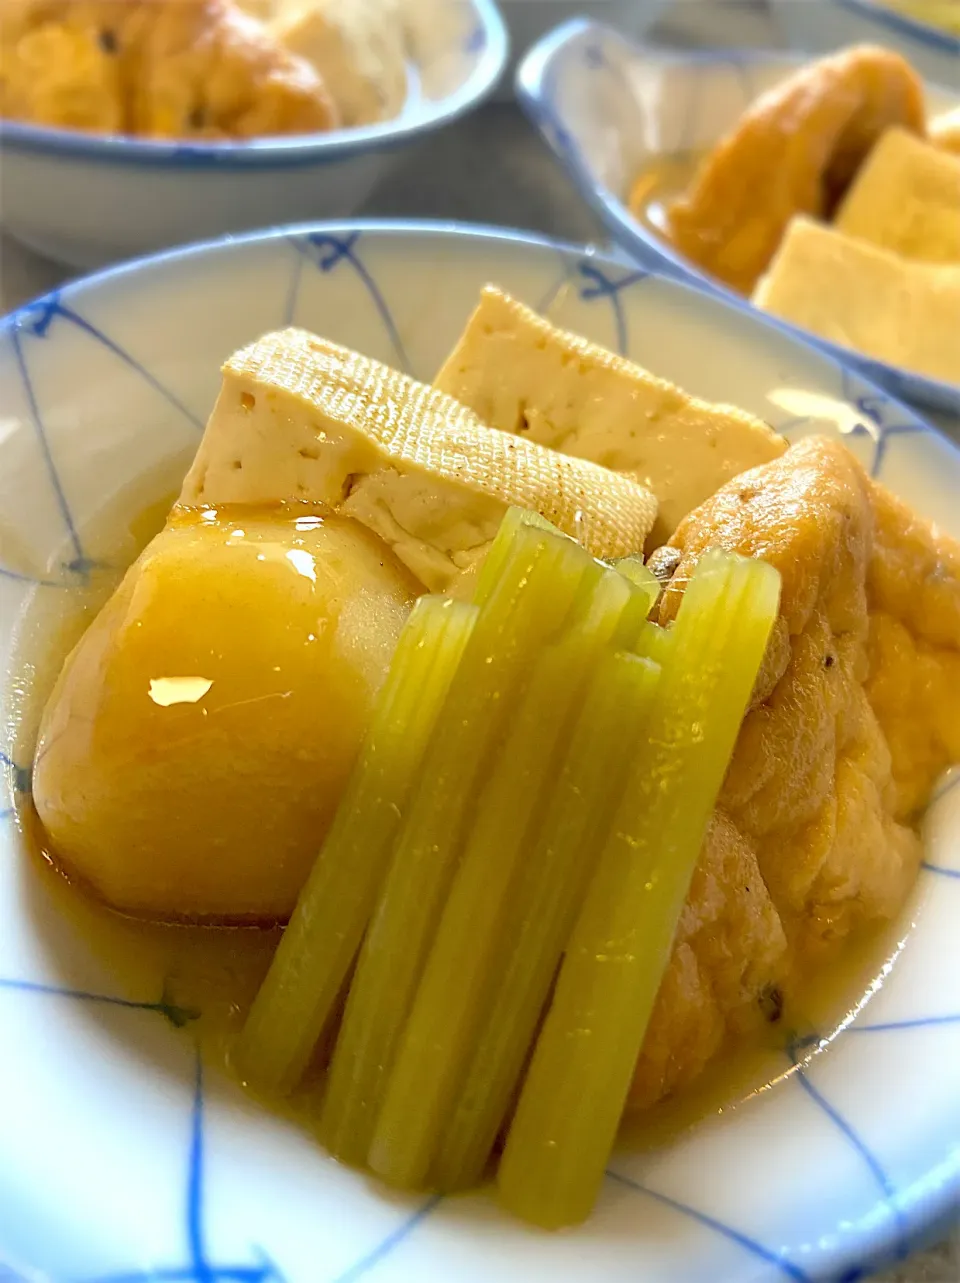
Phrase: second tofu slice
(521, 374)
(906, 200)
(299, 418)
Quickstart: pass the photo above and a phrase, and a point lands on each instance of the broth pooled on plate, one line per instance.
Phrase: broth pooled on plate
(574, 725)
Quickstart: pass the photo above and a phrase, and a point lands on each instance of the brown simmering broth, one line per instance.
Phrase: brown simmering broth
(210, 974)
(661, 181)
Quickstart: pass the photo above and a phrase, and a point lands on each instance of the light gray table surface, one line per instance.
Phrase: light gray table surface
(491, 168)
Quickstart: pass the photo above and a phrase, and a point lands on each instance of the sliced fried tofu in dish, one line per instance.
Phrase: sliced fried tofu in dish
(867, 299)
(301, 418)
(157, 69)
(906, 199)
(522, 375)
(856, 713)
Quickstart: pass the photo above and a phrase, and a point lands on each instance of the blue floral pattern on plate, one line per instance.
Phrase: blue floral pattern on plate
(123, 1157)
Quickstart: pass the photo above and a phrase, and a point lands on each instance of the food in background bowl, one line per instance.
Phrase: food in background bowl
(681, 786)
(842, 142)
(356, 47)
(200, 69)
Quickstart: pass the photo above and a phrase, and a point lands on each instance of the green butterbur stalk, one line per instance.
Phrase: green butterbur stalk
(524, 610)
(475, 929)
(574, 1093)
(555, 872)
(320, 943)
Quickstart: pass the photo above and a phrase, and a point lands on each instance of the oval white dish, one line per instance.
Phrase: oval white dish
(86, 199)
(607, 106)
(528, 20)
(817, 26)
(122, 1156)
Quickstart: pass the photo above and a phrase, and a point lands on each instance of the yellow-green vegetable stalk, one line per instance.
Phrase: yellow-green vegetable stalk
(574, 1093)
(327, 925)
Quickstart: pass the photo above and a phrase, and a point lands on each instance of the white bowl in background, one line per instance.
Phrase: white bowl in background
(607, 106)
(87, 199)
(528, 20)
(817, 26)
(124, 1157)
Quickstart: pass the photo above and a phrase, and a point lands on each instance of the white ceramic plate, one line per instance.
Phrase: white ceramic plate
(608, 106)
(528, 20)
(119, 1158)
(820, 25)
(88, 199)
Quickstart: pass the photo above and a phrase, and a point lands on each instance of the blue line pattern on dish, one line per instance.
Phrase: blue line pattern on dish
(547, 89)
(369, 1262)
(594, 56)
(36, 319)
(876, 408)
(889, 1026)
(787, 1268)
(940, 869)
(198, 1267)
(599, 285)
(476, 41)
(293, 291)
(44, 444)
(18, 577)
(326, 251)
(177, 1016)
(880, 1177)
(22, 775)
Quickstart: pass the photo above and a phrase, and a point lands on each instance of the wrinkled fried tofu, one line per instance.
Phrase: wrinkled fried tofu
(157, 68)
(730, 947)
(855, 713)
(914, 647)
(795, 150)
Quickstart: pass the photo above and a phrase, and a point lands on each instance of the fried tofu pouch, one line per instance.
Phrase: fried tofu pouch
(794, 151)
(855, 714)
(183, 69)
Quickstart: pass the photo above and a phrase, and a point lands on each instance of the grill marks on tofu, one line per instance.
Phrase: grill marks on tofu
(855, 714)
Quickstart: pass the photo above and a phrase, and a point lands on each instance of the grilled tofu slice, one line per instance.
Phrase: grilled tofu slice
(524, 376)
(300, 418)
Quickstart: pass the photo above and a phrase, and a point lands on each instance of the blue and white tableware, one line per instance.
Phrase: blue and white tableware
(609, 107)
(125, 1154)
(86, 199)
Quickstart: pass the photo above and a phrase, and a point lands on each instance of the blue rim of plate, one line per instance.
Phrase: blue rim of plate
(930, 1215)
(902, 23)
(343, 229)
(534, 84)
(488, 38)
